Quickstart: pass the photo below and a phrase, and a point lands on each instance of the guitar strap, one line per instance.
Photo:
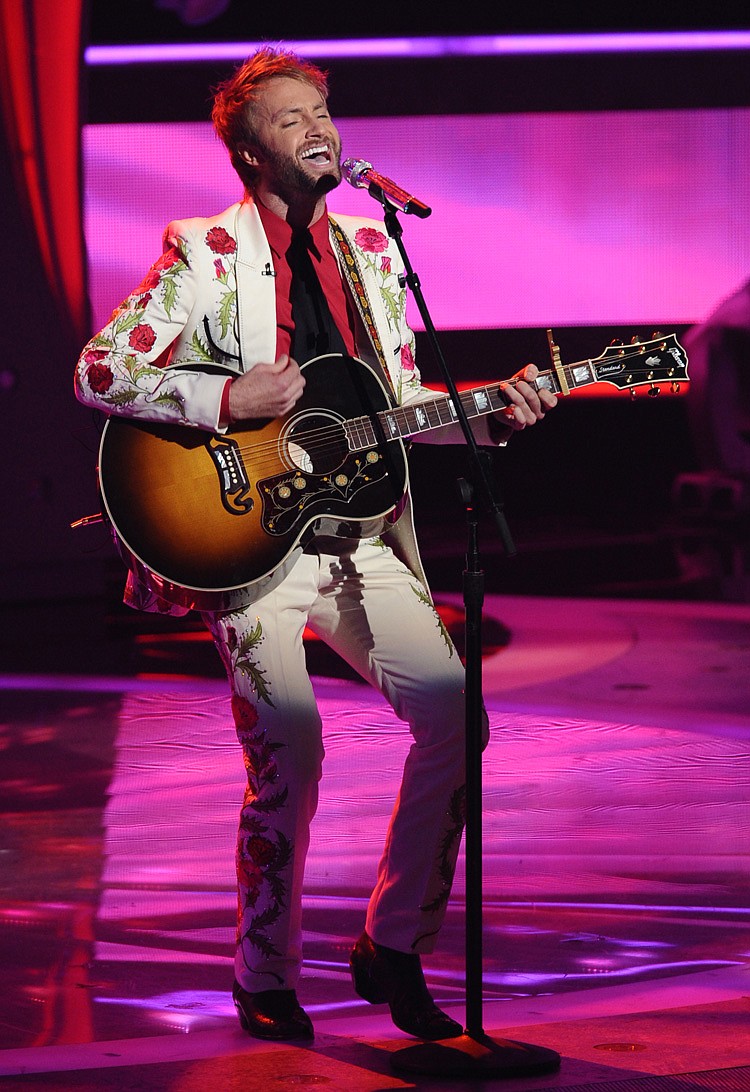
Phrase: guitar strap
(348, 263)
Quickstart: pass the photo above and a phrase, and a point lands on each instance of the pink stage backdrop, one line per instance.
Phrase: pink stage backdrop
(637, 218)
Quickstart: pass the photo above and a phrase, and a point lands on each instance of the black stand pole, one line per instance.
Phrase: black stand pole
(474, 1054)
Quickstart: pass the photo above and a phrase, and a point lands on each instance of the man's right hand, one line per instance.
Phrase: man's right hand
(267, 390)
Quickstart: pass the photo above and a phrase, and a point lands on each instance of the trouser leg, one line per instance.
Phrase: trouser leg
(376, 614)
(279, 730)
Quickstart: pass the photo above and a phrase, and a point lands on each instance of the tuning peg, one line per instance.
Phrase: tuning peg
(616, 341)
(675, 387)
(635, 340)
(656, 334)
(653, 392)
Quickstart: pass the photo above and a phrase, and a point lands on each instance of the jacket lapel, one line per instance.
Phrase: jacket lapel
(256, 293)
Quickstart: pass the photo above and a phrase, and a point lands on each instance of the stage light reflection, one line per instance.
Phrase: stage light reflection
(531, 979)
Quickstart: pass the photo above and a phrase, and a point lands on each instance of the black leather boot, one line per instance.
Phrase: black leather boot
(272, 1014)
(382, 974)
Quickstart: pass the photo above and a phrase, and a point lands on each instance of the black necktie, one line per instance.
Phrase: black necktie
(315, 332)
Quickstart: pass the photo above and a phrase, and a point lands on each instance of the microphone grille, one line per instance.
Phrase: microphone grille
(354, 171)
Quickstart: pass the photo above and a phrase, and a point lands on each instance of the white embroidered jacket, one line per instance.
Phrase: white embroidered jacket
(209, 300)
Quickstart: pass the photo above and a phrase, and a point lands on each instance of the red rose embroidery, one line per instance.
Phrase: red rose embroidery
(251, 877)
(149, 281)
(142, 338)
(385, 264)
(165, 261)
(93, 356)
(260, 850)
(220, 241)
(170, 257)
(371, 240)
(219, 267)
(99, 377)
(244, 712)
(407, 358)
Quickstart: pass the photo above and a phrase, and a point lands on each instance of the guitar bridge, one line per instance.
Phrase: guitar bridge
(233, 481)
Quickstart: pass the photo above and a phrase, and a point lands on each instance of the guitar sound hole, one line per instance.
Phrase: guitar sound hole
(315, 443)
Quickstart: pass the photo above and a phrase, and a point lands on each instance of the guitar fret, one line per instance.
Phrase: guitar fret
(446, 411)
(480, 400)
(548, 381)
(580, 374)
(437, 412)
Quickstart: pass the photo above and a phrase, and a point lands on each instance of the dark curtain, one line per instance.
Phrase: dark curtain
(40, 77)
(48, 443)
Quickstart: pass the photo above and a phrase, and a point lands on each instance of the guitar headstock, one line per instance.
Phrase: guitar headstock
(643, 363)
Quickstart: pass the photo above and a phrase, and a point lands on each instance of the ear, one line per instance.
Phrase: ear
(252, 157)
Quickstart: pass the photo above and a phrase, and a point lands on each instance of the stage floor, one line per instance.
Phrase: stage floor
(616, 865)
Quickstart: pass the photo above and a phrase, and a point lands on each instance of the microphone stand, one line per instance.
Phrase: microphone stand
(474, 1054)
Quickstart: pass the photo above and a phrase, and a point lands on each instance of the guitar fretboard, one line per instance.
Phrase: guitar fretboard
(625, 367)
(438, 412)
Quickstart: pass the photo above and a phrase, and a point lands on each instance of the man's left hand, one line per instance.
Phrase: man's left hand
(526, 405)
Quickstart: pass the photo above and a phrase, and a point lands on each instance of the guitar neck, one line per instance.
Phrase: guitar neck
(625, 367)
(404, 421)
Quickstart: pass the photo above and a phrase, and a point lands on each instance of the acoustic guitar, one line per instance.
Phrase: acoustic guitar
(213, 513)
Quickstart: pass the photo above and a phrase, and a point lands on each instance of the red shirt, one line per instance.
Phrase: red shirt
(279, 235)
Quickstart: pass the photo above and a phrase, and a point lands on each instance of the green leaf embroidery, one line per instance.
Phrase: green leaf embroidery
(423, 597)
(125, 321)
(137, 370)
(101, 341)
(169, 398)
(226, 311)
(274, 803)
(169, 296)
(251, 639)
(123, 397)
(201, 348)
(250, 670)
(256, 935)
(390, 299)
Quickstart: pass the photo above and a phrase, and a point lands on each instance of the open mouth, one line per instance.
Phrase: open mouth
(320, 155)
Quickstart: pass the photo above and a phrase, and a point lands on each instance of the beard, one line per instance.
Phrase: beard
(291, 181)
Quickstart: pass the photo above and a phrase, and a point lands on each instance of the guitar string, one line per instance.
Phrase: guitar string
(315, 440)
(334, 432)
(436, 404)
(325, 440)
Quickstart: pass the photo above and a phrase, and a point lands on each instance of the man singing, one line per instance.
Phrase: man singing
(257, 292)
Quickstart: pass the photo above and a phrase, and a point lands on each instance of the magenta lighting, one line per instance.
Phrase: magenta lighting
(487, 45)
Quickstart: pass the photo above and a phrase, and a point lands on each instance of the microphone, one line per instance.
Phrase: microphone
(359, 173)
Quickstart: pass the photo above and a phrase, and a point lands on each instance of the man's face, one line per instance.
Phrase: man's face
(298, 148)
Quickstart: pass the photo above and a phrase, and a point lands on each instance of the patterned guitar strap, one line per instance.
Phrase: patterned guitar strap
(348, 263)
(356, 284)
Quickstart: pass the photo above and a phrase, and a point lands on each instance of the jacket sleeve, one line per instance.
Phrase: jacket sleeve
(124, 369)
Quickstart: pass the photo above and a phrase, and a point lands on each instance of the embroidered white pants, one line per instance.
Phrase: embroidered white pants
(374, 612)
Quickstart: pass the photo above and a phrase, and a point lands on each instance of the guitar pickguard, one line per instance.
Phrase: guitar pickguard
(287, 498)
(324, 477)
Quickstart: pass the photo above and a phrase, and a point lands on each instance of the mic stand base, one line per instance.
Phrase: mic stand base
(479, 1057)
